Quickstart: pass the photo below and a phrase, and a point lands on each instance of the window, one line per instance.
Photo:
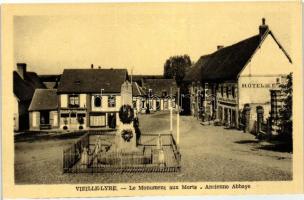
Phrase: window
(222, 91)
(74, 101)
(227, 91)
(73, 115)
(164, 93)
(233, 91)
(111, 101)
(97, 101)
(64, 115)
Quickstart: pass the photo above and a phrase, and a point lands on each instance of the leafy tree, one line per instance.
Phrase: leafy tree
(176, 66)
(285, 113)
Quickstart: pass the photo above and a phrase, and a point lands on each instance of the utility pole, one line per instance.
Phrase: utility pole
(177, 122)
(131, 75)
(171, 113)
(197, 105)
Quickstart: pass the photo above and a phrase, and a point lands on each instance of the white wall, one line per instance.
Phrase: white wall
(82, 101)
(104, 107)
(63, 100)
(268, 60)
(267, 65)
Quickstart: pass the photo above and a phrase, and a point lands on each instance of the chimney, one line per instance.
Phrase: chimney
(92, 66)
(219, 47)
(21, 69)
(263, 28)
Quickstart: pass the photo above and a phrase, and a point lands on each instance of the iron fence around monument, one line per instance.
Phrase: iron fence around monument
(146, 160)
(71, 155)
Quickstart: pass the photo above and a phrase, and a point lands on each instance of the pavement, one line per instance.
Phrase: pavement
(209, 153)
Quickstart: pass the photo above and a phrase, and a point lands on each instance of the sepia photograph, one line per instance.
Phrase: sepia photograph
(139, 93)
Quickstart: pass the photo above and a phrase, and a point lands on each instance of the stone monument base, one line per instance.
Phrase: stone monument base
(125, 140)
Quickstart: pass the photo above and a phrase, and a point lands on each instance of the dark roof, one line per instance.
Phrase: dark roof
(25, 88)
(138, 77)
(141, 78)
(137, 90)
(159, 86)
(92, 80)
(44, 99)
(50, 77)
(195, 71)
(226, 63)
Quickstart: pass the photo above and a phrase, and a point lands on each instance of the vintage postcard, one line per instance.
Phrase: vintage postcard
(127, 99)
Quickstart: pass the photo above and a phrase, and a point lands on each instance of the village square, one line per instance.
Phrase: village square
(225, 117)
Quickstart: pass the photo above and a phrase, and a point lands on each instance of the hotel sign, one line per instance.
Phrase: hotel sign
(259, 85)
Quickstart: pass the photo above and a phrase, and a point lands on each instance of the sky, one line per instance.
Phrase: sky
(139, 36)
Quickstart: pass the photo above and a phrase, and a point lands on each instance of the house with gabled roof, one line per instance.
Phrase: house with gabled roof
(240, 75)
(44, 110)
(161, 93)
(90, 98)
(24, 85)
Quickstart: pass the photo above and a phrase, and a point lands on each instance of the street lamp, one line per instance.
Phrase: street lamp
(197, 106)
(150, 92)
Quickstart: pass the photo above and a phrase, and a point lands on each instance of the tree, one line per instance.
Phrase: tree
(176, 66)
(285, 113)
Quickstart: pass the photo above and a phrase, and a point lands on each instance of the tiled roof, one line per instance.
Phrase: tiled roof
(92, 80)
(44, 99)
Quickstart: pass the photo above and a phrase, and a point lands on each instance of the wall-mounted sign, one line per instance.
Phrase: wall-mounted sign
(259, 85)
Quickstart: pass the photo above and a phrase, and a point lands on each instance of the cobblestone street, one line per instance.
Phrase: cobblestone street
(209, 153)
(213, 153)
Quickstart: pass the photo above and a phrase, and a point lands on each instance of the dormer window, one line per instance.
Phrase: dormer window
(97, 101)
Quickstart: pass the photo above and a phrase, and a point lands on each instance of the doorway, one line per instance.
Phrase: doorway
(112, 120)
(44, 117)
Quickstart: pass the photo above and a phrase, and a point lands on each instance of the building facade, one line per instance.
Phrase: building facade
(160, 94)
(44, 110)
(90, 98)
(237, 79)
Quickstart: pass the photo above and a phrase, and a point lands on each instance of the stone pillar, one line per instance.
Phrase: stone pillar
(260, 118)
(223, 115)
(154, 104)
(161, 104)
(246, 117)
